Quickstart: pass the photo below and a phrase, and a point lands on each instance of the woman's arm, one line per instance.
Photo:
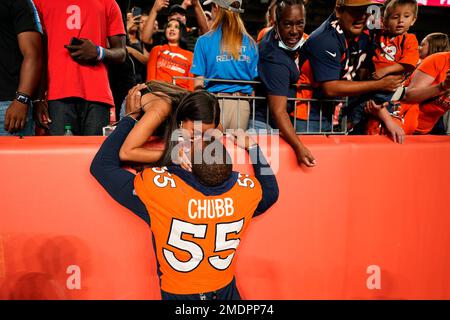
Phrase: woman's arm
(141, 57)
(420, 88)
(157, 110)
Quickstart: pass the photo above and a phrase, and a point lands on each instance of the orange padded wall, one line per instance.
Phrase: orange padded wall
(371, 221)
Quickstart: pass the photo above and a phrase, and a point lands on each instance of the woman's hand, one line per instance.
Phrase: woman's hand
(304, 156)
(133, 104)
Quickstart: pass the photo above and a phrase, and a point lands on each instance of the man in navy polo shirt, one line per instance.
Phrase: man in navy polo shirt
(332, 57)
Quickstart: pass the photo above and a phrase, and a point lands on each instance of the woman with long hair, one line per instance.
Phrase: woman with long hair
(171, 59)
(227, 52)
(434, 43)
(174, 108)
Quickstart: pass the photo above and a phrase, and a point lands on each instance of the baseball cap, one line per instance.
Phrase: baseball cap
(356, 3)
(232, 5)
(176, 8)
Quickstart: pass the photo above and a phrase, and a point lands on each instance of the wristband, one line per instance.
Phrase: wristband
(23, 98)
(441, 86)
(100, 53)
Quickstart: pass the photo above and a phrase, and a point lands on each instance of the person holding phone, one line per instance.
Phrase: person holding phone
(81, 39)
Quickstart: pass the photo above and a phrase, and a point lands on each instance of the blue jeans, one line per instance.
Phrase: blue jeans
(85, 117)
(302, 126)
(28, 130)
(259, 127)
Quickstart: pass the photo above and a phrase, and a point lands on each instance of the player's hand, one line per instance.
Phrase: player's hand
(242, 139)
(83, 53)
(16, 116)
(391, 83)
(396, 132)
(133, 100)
(304, 156)
(40, 114)
(160, 4)
(183, 151)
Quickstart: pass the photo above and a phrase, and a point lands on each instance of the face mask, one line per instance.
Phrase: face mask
(282, 45)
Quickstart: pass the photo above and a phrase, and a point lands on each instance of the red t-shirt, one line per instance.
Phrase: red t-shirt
(167, 61)
(402, 49)
(95, 20)
(431, 111)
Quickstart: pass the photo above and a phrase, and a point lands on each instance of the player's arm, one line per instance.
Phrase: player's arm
(262, 169)
(118, 182)
(421, 87)
(267, 179)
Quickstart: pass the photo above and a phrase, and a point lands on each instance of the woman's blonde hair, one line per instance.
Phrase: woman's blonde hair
(233, 31)
(437, 42)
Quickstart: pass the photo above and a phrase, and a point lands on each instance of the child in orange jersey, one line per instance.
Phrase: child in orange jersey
(397, 52)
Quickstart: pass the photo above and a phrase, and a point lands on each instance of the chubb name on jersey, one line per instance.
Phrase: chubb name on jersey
(210, 208)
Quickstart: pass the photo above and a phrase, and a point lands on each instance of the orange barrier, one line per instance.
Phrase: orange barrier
(371, 221)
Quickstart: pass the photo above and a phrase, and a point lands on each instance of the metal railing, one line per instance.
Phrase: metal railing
(337, 123)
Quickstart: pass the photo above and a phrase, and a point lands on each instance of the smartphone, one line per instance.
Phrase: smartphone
(136, 11)
(75, 42)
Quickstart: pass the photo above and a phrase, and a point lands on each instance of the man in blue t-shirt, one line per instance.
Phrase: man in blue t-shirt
(332, 57)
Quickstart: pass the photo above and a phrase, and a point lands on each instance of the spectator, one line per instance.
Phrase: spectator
(270, 20)
(433, 43)
(121, 75)
(177, 12)
(78, 89)
(279, 73)
(209, 19)
(407, 113)
(136, 48)
(332, 58)
(429, 88)
(227, 52)
(171, 59)
(397, 52)
(20, 65)
(166, 206)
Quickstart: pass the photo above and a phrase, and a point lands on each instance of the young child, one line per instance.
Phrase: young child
(397, 52)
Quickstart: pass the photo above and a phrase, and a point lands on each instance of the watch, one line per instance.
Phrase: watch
(23, 98)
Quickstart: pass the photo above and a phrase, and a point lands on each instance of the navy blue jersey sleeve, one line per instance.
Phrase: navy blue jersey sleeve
(325, 59)
(267, 179)
(275, 78)
(118, 182)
